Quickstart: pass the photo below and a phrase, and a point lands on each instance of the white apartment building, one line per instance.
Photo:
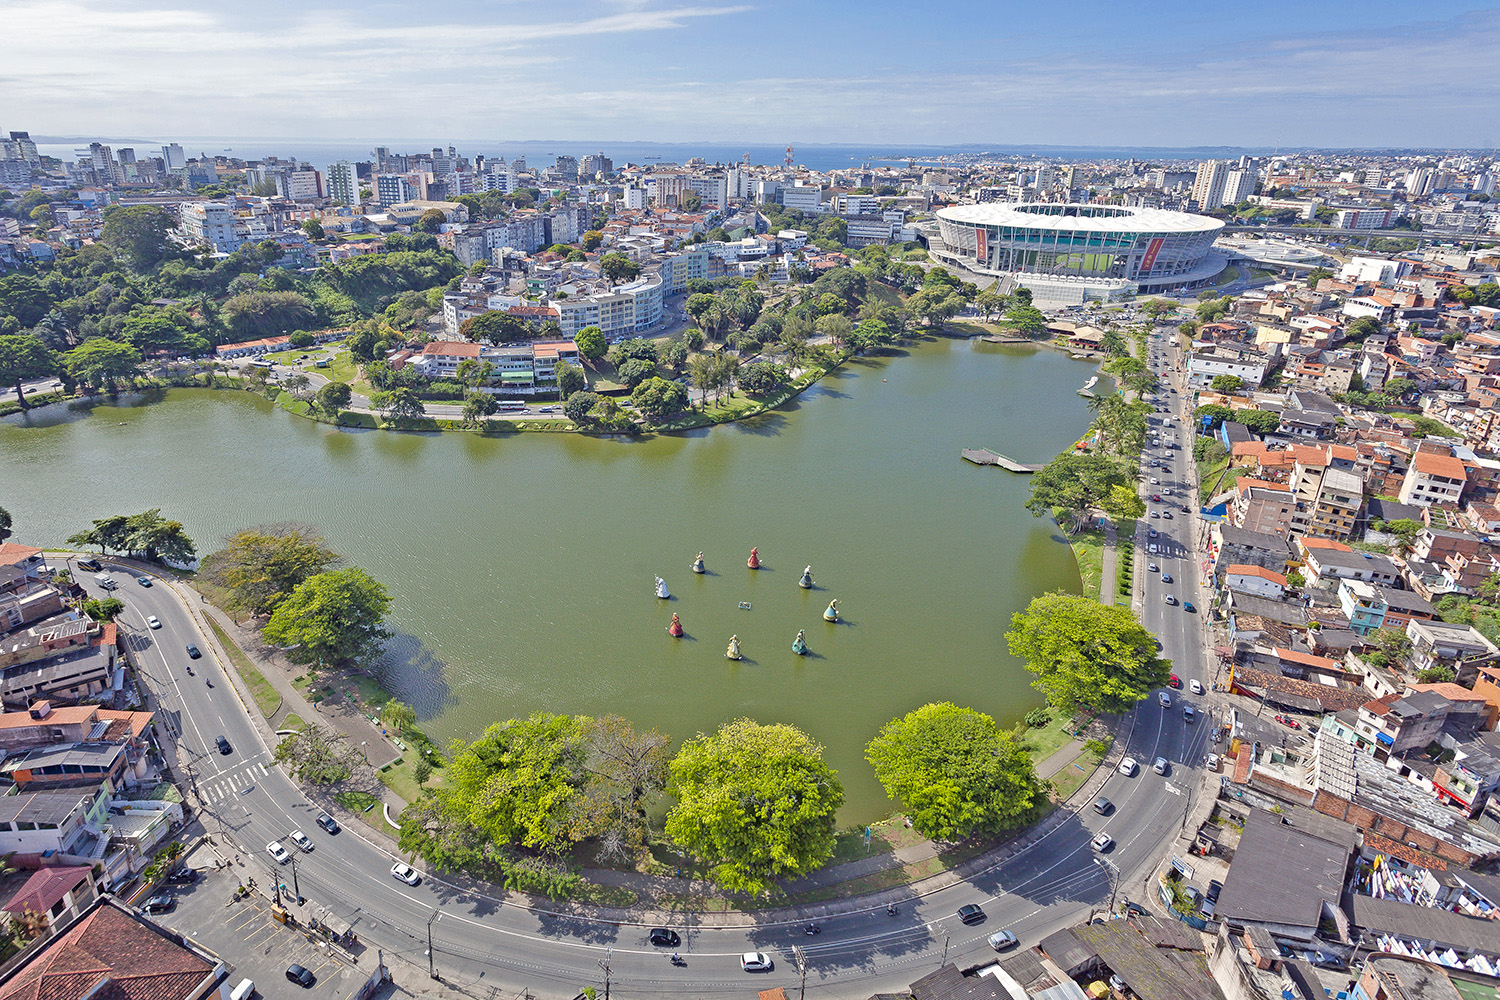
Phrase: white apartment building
(1433, 479)
(713, 189)
(1208, 184)
(1204, 368)
(1364, 218)
(803, 197)
(1374, 269)
(210, 223)
(635, 198)
(622, 311)
(343, 182)
(304, 184)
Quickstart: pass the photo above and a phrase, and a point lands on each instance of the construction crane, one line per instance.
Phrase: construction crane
(789, 156)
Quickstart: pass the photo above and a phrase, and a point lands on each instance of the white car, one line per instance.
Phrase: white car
(1164, 698)
(301, 840)
(1195, 686)
(405, 873)
(756, 961)
(278, 852)
(1103, 842)
(1128, 767)
(153, 622)
(1212, 762)
(1155, 481)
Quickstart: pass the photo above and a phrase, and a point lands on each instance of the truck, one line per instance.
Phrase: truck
(105, 580)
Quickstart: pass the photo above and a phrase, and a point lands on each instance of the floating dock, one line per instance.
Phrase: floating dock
(1086, 394)
(983, 456)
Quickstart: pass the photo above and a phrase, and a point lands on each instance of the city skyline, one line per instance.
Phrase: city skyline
(1086, 75)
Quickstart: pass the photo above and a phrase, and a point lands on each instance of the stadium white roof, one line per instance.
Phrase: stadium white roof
(1112, 218)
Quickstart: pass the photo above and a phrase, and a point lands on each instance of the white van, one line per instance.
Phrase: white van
(243, 990)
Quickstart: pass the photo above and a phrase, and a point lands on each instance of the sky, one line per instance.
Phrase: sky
(1322, 73)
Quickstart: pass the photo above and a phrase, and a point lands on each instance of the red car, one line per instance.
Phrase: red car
(1174, 681)
(1156, 498)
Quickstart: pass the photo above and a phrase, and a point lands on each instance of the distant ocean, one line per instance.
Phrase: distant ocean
(321, 152)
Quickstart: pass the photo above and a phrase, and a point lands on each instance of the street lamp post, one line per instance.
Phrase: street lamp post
(801, 956)
(604, 964)
(944, 929)
(1113, 873)
(295, 887)
(431, 968)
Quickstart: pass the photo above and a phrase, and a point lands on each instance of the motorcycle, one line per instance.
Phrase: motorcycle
(890, 909)
(677, 960)
(210, 681)
(812, 929)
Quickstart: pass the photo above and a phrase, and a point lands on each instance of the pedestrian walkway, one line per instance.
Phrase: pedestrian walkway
(1107, 562)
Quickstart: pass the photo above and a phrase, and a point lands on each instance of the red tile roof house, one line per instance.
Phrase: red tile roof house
(59, 893)
(111, 953)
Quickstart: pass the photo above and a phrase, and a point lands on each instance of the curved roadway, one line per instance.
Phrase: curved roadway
(484, 940)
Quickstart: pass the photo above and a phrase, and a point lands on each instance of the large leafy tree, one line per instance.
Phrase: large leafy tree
(401, 401)
(1076, 483)
(5, 524)
(495, 327)
(267, 314)
(478, 406)
(579, 404)
(332, 619)
(258, 568)
(156, 539)
(138, 235)
(111, 532)
(657, 399)
(617, 268)
(23, 356)
(333, 397)
(591, 342)
(319, 756)
(25, 299)
(955, 772)
(758, 802)
(100, 363)
(1086, 653)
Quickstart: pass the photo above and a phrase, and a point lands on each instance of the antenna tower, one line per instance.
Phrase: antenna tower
(789, 156)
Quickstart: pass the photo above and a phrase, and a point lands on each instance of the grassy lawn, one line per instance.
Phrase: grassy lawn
(340, 369)
(401, 778)
(1071, 778)
(1227, 275)
(293, 721)
(1211, 483)
(1044, 742)
(266, 698)
(365, 806)
(1088, 549)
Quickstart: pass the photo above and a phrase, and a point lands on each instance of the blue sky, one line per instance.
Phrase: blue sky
(1164, 73)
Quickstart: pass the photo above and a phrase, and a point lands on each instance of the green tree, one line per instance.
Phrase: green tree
(24, 299)
(260, 567)
(108, 533)
(100, 363)
(253, 315)
(578, 406)
(318, 756)
(430, 221)
(24, 356)
(659, 400)
(1028, 321)
(1227, 383)
(1123, 503)
(138, 235)
(955, 772)
(495, 327)
(618, 268)
(398, 403)
(1438, 673)
(591, 240)
(153, 332)
(314, 230)
(591, 343)
(333, 397)
(332, 618)
(1362, 327)
(1316, 275)
(757, 802)
(106, 610)
(1259, 421)
(1076, 483)
(1086, 653)
(397, 716)
(151, 537)
(635, 371)
(5, 524)
(763, 378)
(479, 406)
(41, 216)
(570, 378)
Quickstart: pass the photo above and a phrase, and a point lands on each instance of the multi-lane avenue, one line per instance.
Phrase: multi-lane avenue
(480, 936)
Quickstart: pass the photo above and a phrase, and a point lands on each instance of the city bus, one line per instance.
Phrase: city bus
(512, 406)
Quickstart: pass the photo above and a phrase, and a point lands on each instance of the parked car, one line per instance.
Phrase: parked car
(1164, 699)
(1212, 762)
(160, 903)
(153, 622)
(300, 839)
(756, 961)
(1128, 767)
(327, 822)
(971, 913)
(1193, 895)
(278, 852)
(302, 977)
(1214, 888)
(1136, 909)
(662, 937)
(1000, 940)
(183, 876)
(1195, 686)
(193, 652)
(405, 873)
(1103, 843)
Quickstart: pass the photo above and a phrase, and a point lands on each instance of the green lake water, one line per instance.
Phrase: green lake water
(521, 567)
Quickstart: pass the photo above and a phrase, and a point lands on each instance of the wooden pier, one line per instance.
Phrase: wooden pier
(983, 456)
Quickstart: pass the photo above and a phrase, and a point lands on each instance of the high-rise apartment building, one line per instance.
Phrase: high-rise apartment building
(1208, 185)
(343, 182)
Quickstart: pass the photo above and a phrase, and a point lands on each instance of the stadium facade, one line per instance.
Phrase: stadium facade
(1074, 252)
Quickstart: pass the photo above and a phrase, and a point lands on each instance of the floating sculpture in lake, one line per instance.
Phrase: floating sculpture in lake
(832, 614)
(733, 652)
(799, 644)
(675, 629)
(698, 564)
(754, 561)
(806, 582)
(661, 589)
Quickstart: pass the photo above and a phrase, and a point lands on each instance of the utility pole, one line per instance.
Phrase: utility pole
(431, 968)
(944, 929)
(801, 957)
(1113, 873)
(295, 888)
(604, 964)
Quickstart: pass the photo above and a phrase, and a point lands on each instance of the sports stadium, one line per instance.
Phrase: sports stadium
(1072, 252)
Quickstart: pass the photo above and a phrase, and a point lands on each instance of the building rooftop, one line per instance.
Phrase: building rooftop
(1283, 874)
(48, 808)
(1426, 923)
(1085, 218)
(46, 888)
(1151, 972)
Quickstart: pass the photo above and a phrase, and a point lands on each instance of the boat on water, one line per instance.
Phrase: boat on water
(1086, 394)
(661, 589)
(831, 614)
(799, 644)
(675, 629)
(754, 561)
(1091, 382)
(733, 652)
(806, 583)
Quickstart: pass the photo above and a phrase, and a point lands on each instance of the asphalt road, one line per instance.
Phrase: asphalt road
(486, 942)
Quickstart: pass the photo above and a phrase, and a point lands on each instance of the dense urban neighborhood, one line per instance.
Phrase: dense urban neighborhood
(1262, 759)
